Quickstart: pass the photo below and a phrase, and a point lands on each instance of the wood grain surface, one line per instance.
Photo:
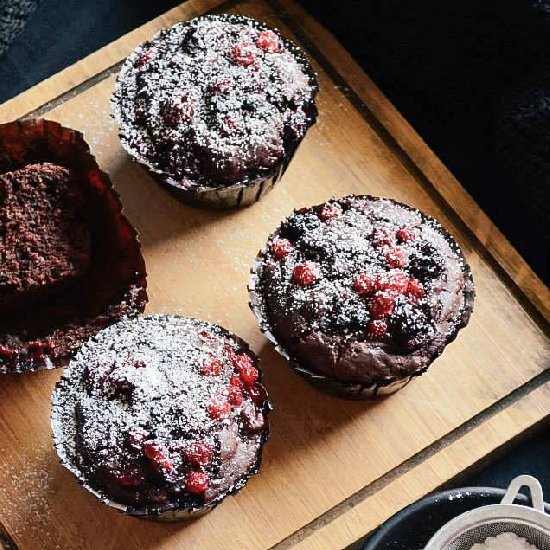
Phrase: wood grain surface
(333, 469)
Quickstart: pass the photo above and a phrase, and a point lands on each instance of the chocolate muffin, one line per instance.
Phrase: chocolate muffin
(215, 108)
(360, 294)
(71, 261)
(161, 417)
(44, 244)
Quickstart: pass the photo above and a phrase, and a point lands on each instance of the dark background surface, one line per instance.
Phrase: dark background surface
(473, 78)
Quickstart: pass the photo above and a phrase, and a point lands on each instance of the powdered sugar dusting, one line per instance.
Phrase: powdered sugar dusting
(504, 541)
(215, 101)
(138, 398)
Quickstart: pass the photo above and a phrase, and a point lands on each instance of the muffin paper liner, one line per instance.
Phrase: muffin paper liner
(120, 289)
(240, 194)
(150, 512)
(352, 390)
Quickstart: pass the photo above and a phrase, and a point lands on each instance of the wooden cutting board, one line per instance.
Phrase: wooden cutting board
(333, 470)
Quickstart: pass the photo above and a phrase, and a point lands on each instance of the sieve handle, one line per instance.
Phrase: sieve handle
(534, 488)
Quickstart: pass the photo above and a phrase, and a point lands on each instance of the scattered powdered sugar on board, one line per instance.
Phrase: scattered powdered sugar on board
(32, 514)
(504, 541)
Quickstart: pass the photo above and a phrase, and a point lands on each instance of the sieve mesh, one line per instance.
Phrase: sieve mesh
(533, 534)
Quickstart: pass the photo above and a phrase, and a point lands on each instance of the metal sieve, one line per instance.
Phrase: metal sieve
(475, 526)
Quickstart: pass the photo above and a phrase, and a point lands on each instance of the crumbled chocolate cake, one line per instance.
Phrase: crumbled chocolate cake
(162, 414)
(363, 289)
(44, 240)
(218, 100)
(73, 263)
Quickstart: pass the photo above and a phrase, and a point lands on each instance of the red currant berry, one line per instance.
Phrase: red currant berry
(249, 375)
(268, 41)
(396, 281)
(199, 453)
(382, 305)
(218, 407)
(405, 234)
(235, 382)
(396, 257)
(330, 211)
(364, 284)
(243, 54)
(281, 248)
(304, 274)
(235, 396)
(242, 361)
(197, 483)
(158, 456)
(212, 367)
(378, 328)
(415, 289)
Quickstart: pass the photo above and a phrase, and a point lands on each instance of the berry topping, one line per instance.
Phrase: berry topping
(157, 456)
(246, 369)
(249, 376)
(378, 328)
(382, 236)
(394, 280)
(235, 395)
(197, 483)
(212, 367)
(131, 478)
(219, 407)
(415, 289)
(243, 54)
(268, 41)
(304, 274)
(241, 361)
(396, 257)
(365, 284)
(281, 248)
(139, 364)
(330, 211)
(405, 234)
(199, 453)
(235, 382)
(382, 305)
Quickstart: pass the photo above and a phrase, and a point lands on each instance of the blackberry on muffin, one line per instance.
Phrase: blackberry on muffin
(361, 293)
(215, 108)
(162, 417)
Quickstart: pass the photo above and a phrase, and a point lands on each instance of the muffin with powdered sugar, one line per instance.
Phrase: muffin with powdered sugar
(215, 108)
